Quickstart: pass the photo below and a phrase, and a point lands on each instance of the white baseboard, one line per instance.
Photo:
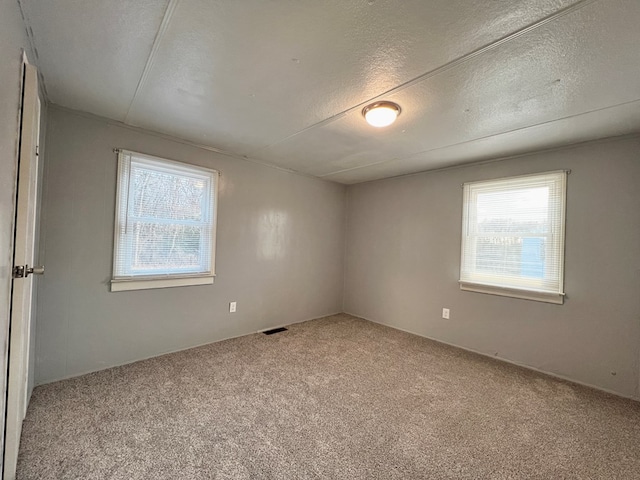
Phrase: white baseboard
(169, 352)
(506, 360)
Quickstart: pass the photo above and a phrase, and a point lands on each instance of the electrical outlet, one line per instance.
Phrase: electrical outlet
(232, 307)
(445, 313)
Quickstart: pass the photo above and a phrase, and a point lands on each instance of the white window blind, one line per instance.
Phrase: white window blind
(513, 236)
(165, 223)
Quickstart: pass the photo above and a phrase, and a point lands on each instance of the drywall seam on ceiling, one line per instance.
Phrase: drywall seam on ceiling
(36, 61)
(182, 141)
(442, 68)
(502, 159)
(164, 25)
(497, 135)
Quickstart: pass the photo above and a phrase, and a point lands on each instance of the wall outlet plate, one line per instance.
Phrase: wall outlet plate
(232, 307)
(445, 313)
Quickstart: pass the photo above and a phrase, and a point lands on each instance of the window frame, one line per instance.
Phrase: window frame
(131, 281)
(518, 288)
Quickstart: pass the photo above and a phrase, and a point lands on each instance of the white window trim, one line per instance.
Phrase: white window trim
(525, 290)
(525, 294)
(138, 283)
(145, 282)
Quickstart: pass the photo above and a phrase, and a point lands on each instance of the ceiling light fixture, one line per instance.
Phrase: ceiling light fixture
(381, 114)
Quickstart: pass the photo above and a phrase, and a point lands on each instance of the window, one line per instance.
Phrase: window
(165, 223)
(513, 237)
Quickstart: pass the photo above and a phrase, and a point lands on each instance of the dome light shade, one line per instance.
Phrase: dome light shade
(381, 114)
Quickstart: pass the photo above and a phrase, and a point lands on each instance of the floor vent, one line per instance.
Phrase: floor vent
(274, 330)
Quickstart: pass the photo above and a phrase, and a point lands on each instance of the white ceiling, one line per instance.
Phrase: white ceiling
(284, 81)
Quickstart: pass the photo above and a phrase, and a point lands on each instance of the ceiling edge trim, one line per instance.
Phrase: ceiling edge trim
(442, 68)
(164, 25)
(422, 152)
(164, 136)
(474, 163)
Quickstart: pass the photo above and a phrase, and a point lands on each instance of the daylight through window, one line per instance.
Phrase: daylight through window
(165, 223)
(513, 237)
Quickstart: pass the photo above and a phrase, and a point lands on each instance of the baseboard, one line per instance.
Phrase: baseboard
(252, 332)
(467, 349)
(506, 360)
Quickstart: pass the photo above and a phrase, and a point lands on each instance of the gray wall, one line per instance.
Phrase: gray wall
(403, 260)
(280, 251)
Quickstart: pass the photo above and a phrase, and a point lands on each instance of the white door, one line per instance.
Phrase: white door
(21, 300)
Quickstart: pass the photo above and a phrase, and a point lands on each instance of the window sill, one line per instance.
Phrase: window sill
(557, 298)
(118, 285)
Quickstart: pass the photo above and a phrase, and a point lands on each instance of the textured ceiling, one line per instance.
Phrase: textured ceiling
(284, 81)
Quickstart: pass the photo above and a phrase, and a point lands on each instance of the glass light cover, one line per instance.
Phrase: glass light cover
(381, 115)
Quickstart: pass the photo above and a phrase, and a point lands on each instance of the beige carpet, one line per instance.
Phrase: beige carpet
(335, 398)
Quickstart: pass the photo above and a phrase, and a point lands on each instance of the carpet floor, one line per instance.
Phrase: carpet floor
(334, 398)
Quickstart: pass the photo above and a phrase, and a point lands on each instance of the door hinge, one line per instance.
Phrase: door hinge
(18, 271)
(37, 150)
